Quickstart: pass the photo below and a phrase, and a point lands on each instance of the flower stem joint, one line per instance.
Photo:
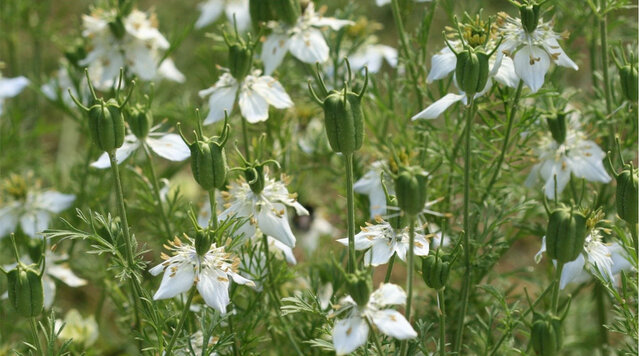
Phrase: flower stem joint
(546, 335)
(566, 232)
(25, 290)
(435, 271)
(343, 115)
(411, 189)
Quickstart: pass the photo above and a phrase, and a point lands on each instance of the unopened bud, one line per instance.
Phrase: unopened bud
(411, 189)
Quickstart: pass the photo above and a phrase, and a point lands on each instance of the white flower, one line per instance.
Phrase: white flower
(444, 62)
(371, 185)
(83, 331)
(266, 210)
(54, 268)
(372, 55)
(168, 146)
(254, 94)
(385, 2)
(139, 50)
(352, 332)
(210, 273)
(577, 156)
(532, 52)
(212, 9)
(304, 40)
(597, 257)
(10, 87)
(57, 88)
(34, 212)
(381, 241)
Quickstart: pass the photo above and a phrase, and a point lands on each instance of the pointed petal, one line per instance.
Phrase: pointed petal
(214, 289)
(309, 46)
(392, 323)
(130, 144)
(55, 202)
(274, 49)
(531, 64)
(442, 63)
(8, 220)
(210, 11)
(506, 74)
(48, 291)
(276, 226)
(436, 109)
(174, 283)
(240, 10)
(65, 274)
(273, 92)
(169, 146)
(553, 47)
(586, 162)
(222, 97)
(10, 87)
(573, 271)
(349, 334)
(253, 106)
(168, 70)
(543, 249)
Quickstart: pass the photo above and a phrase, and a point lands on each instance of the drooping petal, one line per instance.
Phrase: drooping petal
(274, 49)
(66, 275)
(276, 225)
(286, 250)
(8, 220)
(388, 294)
(543, 249)
(620, 261)
(349, 334)
(239, 10)
(573, 271)
(381, 252)
(33, 222)
(442, 63)
(10, 87)
(253, 106)
(169, 146)
(221, 99)
(333, 23)
(272, 91)
(558, 169)
(131, 143)
(394, 324)
(48, 291)
(506, 73)
(168, 70)
(210, 11)
(214, 289)
(309, 46)
(560, 58)
(421, 246)
(175, 281)
(586, 162)
(241, 280)
(531, 64)
(436, 109)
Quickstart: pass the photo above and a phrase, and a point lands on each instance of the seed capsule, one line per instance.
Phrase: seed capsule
(546, 335)
(203, 241)
(629, 81)
(472, 70)
(529, 16)
(359, 286)
(25, 290)
(286, 10)
(627, 194)
(140, 120)
(566, 232)
(411, 189)
(435, 271)
(261, 12)
(558, 127)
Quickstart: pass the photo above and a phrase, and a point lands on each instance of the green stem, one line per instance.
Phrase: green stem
(634, 234)
(466, 283)
(376, 340)
(602, 317)
(404, 42)
(183, 318)
(387, 277)
(443, 341)
(604, 54)
(34, 333)
(213, 221)
(156, 191)
(348, 161)
(245, 139)
(556, 289)
(505, 142)
(410, 269)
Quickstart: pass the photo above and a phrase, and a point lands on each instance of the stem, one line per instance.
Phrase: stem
(348, 161)
(245, 139)
(410, 268)
(183, 317)
(443, 341)
(604, 54)
(387, 277)
(34, 333)
(156, 190)
(505, 142)
(556, 289)
(395, 8)
(376, 340)
(466, 284)
(213, 221)
(634, 234)
(602, 317)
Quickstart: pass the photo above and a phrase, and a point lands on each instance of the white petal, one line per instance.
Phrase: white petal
(543, 249)
(253, 106)
(168, 70)
(442, 63)
(286, 250)
(349, 334)
(325, 292)
(65, 274)
(273, 92)
(223, 95)
(34, 222)
(531, 64)
(8, 220)
(550, 169)
(169, 146)
(214, 289)
(274, 49)
(506, 73)
(620, 261)
(175, 283)
(54, 201)
(240, 10)
(334, 23)
(388, 294)
(276, 226)
(362, 240)
(130, 144)
(381, 252)
(241, 280)
(392, 323)
(552, 46)
(436, 109)
(10, 87)
(573, 271)
(210, 11)
(421, 246)
(309, 46)
(48, 291)
(586, 162)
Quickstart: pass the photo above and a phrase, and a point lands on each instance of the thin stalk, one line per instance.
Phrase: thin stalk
(156, 191)
(245, 139)
(348, 162)
(505, 142)
(443, 341)
(556, 289)
(604, 55)
(213, 222)
(387, 277)
(634, 234)
(410, 268)
(376, 340)
(466, 283)
(404, 42)
(183, 318)
(34, 333)
(601, 313)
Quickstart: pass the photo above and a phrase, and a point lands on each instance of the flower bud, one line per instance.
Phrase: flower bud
(411, 189)
(558, 127)
(629, 81)
(140, 120)
(117, 27)
(566, 232)
(546, 335)
(435, 271)
(472, 70)
(287, 11)
(106, 125)
(359, 286)
(529, 16)
(25, 290)
(261, 12)
(240, 60)
(208, 159)
(627, 194)
(203, 241)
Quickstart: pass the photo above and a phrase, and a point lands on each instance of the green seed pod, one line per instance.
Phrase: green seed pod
(117, 27)
(529, 16)
(546, 337)
(629, 81)
(566, 232)
(140, 120)
(359, 286)
(25, 290)
(411, 189)
(558, 127)
(435, 271)
(627, 194)
(106, 125)
(254, 175)
(240, 60)
(472, 70)
(261, 12)
(35, 249)
(203, 241)
(287, 11)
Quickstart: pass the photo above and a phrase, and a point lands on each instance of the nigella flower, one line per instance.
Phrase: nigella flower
(255, 93)
(32, 210)
(353, 331)
(381, 241)
(372, 55)
(371, 185)
(10, 87)
(266, 210)
(532, 52)
(133, 43)
(606, 259)
(54, 269)
(236, 10)
(211, 273)
(558, 161)
(303, 39)
(166, 145)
